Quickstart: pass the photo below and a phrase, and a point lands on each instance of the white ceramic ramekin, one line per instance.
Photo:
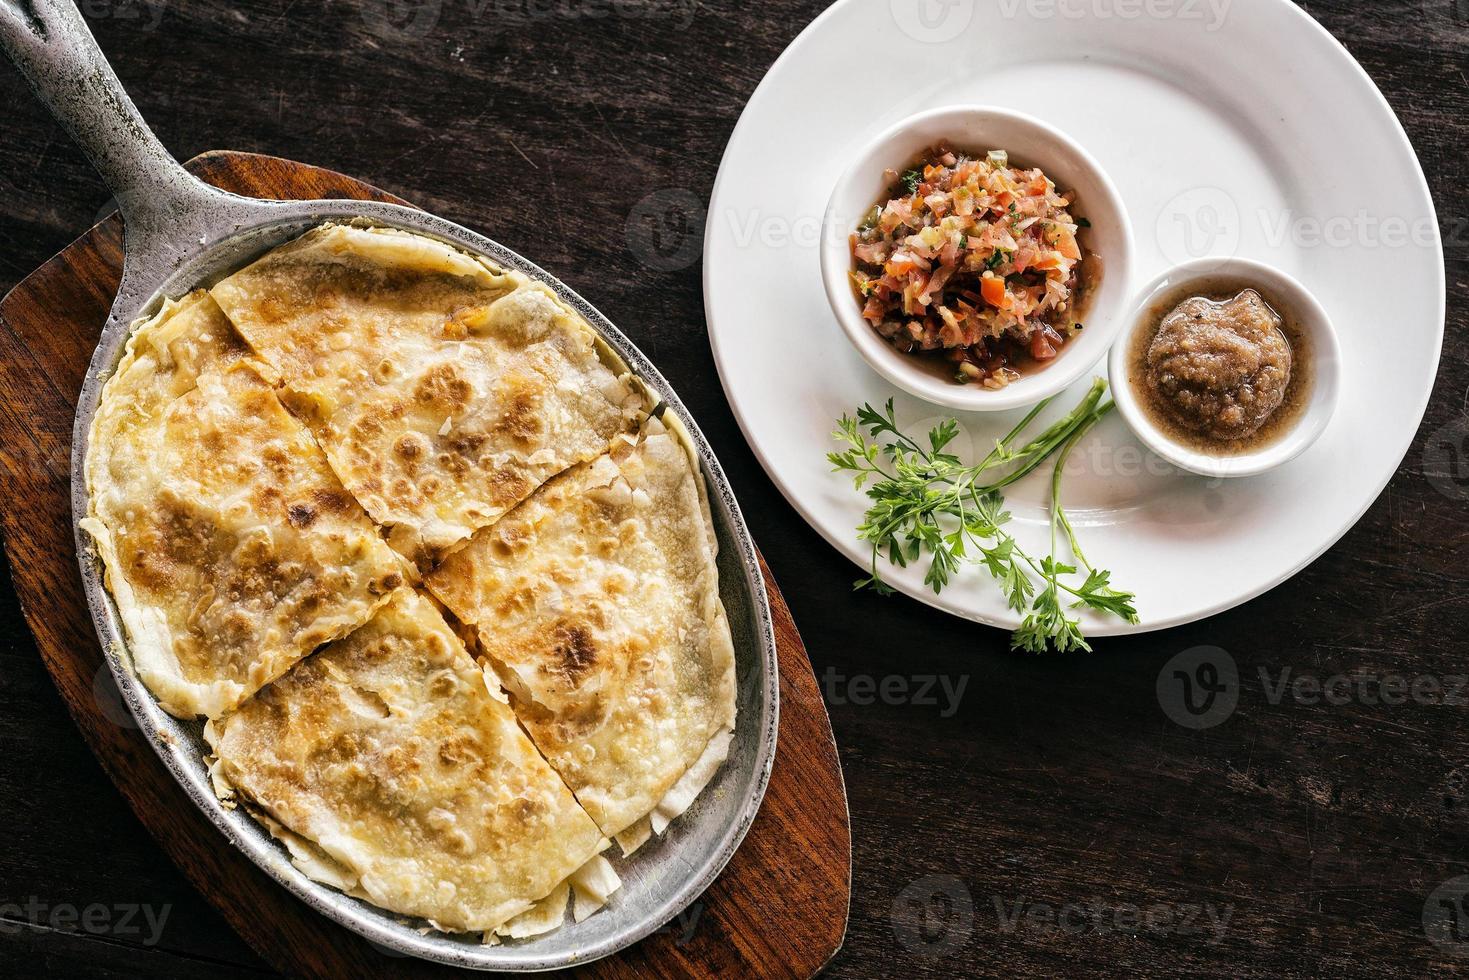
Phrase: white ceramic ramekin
(1030, 143)
(1291, 299)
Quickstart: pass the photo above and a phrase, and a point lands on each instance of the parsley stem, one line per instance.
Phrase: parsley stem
(1058, 514)
(1043, 445)
(1002, 448)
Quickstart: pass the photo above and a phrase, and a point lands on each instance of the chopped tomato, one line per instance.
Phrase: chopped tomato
(1045, 342)
(992, 289)
(902, 264)
(1066, 244)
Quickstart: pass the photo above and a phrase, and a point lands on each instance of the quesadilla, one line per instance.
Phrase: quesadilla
(230, 547)
(596, 603)
(391, 770)
(443, 390)
(280, 461)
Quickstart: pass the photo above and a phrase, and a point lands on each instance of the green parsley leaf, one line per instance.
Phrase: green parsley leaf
(924, 501)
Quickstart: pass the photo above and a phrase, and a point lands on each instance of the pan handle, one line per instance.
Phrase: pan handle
(52, 46)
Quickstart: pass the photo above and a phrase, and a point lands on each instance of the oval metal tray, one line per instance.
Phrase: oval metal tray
(668, 872)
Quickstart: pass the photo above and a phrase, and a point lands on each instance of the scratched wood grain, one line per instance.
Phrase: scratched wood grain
(1323, 828)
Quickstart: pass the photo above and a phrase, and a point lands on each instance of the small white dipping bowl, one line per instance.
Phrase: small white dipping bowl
(1030, 143)
(1293, 302)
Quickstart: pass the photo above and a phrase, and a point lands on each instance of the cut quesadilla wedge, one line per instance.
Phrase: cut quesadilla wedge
(443, 390)
(390, 770)
(230, 547)
(596, 602)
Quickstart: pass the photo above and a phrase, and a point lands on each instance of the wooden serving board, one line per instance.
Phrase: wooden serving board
(779, 908)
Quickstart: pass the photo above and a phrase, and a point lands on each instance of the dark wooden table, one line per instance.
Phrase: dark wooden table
(1052, 819)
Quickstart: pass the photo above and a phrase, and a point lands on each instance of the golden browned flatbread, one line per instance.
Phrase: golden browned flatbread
(392, 771)
(597, 603)
(230, 547)
(443, 390)
(272, 468)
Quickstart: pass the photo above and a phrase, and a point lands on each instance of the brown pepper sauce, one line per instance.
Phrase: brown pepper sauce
(1297, 391)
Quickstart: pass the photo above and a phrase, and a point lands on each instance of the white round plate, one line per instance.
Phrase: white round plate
(1230, 128)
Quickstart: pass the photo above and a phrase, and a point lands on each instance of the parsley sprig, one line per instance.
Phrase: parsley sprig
(925, 501)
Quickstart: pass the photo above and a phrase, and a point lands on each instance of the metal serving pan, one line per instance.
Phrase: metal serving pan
(179, 234)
